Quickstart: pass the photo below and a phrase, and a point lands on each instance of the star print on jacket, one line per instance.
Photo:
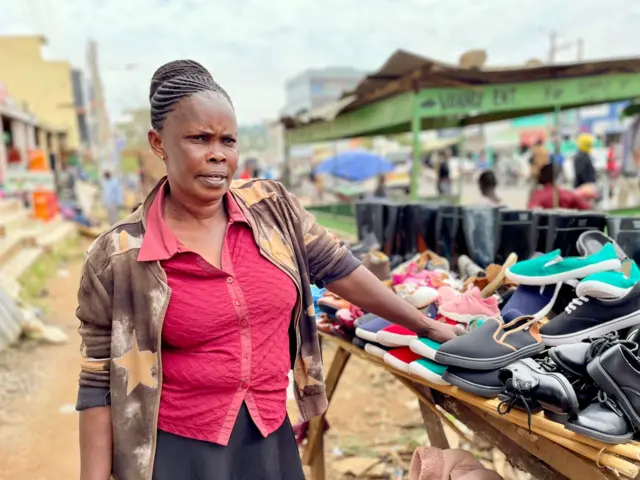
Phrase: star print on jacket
(139, 366)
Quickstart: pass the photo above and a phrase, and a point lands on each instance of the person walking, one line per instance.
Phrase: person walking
(112, 197)
(195, 307)
(443, 176)
(628, 181)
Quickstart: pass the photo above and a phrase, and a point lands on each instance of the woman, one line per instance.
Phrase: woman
(194, 308)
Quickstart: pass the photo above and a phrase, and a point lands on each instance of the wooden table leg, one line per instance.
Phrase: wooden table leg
(432, 422)
(314, 451)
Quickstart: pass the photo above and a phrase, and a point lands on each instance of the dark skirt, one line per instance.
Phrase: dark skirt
(248, 456)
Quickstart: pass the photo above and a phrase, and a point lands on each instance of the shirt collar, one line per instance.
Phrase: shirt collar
(159, 242)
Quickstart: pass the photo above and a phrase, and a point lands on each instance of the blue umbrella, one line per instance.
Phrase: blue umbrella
(355, 165)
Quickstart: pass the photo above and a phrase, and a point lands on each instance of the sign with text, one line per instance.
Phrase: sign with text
(18, 180)
(523, 96)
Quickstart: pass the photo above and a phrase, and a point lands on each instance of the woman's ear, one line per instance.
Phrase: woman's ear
(155, 141)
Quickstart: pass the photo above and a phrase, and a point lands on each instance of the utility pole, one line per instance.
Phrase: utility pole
(553, 45)
(580, 49)
(101, 125)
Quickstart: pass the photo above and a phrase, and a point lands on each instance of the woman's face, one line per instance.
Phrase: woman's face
(198, 143)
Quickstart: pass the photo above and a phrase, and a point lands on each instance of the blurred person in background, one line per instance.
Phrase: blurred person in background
(548, 195)
(487, 183)
(557, 158)
(112, 197)
(585, 173)
(630, 164)
(583, 163)
(380, 191)
(194, 309)
(539, 158)
(443, 173)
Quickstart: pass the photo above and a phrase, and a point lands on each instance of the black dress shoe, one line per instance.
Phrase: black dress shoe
(574, 357)
(617, 372)
(603, 420)
(538, 381)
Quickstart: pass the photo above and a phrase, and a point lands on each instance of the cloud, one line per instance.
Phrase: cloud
(252, 47)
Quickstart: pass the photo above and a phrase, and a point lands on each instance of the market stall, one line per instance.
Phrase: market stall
(412, 93)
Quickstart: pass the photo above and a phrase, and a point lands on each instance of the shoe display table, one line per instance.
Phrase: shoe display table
(546, 450)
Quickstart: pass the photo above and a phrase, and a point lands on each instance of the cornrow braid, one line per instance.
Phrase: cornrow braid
(174, 81)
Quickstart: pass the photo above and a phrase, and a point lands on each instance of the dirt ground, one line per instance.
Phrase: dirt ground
(371, 414)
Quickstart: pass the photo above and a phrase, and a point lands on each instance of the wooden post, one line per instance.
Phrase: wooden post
(435, 429)
(416, 127)
(314, 451)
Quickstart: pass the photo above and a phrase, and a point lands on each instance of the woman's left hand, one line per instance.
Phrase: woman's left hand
(363, 289)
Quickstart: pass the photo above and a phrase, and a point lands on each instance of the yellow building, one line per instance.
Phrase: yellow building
(40, 86)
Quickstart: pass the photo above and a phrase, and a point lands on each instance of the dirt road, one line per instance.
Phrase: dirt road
(38, 424)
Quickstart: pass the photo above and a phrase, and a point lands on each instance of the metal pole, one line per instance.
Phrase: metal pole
(461, 162)
(556, 121)
(416, 127)
(286, 170)
(553, 37)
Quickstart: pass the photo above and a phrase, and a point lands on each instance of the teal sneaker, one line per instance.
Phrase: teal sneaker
(424, 347)
(430, 371)
(552, 268)
(608, 285)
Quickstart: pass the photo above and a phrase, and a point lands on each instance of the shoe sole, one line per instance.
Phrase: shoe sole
(603, 437)
(418, 370)
(367, 335)
(582, 272)
(471, 387)
(619, 323)
(395, 363)
(420, 348)
(375, 350)
(394, 339)
(604, 381)
(490, 289)
(595, 289)
(487, 363)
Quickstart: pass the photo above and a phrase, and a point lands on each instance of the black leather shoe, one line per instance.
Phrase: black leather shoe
(548, 388)
(574, 357)
(617, 372)
(603, 420)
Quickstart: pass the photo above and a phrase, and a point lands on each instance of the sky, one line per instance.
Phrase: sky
(253, 46)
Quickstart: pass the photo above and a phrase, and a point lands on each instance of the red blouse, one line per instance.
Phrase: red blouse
(225, 338)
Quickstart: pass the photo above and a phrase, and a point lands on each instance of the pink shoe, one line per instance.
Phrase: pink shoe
(347, 316)
(411, 273)
(469, 306)
(447, 294)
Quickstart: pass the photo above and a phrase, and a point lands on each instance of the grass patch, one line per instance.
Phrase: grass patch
(34, 280)
(337, 223)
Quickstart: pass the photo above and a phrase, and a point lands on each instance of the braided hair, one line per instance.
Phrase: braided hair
(174, 81)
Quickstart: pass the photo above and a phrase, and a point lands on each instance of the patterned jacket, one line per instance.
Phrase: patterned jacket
(122, 303)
